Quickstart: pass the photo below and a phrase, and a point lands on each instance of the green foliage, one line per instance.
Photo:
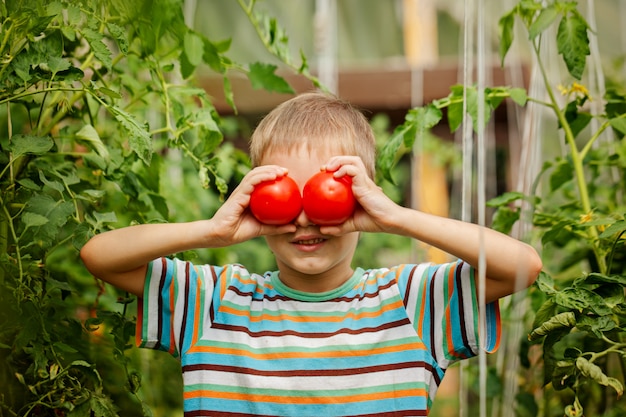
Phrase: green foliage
(579, 298)
(99, 110)
(580, 317)
(420, 120)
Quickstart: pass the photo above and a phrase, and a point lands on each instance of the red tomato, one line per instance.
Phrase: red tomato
(327, 200)
(277, 201)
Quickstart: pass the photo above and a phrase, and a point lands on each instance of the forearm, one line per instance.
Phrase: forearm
(120, 256)
(130, 247)
(509, 263)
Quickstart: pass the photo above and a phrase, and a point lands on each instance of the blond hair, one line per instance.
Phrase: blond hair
(315, 120)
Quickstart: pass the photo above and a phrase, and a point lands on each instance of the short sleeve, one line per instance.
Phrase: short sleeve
(442, 304)
(175, 305)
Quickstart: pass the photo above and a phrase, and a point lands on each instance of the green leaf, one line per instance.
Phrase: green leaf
(573, 43)
(389, 152)
(212, 55)
(506, 25)
(619, 124)
(103, 218)
(593, 371)
(186, 68)
(505, 199)
(109, 93)
(57, 213)
(596, 325)
(504, 219)
(617, 227)
(55, 185)
(545, 283)
(63, 347)
(544, 313)
(38, 24)
(577, 119)
(519, 96)
(102, 406)
(228, 93)
(581, 299)
(21, 64)
(138, 137)
(29, 184)
(55, 64)
(262, 76)
(424, 119)
(28, 144)
(545, 18)
(119, 35)
(561, 321)
(193, 48)
(562, 173)
(455, 109)
(89, 134)
(99, 48)
(597, 278)
(455, 116)
(33, 219)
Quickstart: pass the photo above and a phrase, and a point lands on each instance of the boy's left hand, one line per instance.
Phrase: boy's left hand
(374, 211)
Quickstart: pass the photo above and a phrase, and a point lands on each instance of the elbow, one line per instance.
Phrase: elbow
(89, 257)
(535, 266)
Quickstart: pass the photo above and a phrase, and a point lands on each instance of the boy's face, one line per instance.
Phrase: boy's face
(308, 260)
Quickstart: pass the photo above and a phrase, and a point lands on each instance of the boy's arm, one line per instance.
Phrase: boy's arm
(510, 265)
(121, 256)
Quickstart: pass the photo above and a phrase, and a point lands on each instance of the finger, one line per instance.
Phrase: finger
(266, 173)
(339, 229)
(336, 162)
(268, 230)
(259, 175)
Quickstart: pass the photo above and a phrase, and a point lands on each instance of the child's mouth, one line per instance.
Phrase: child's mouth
(309, 241)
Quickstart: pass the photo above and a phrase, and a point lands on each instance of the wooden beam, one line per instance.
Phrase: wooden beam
(379, 89)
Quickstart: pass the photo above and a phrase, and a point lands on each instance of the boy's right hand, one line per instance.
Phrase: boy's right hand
(234, 223)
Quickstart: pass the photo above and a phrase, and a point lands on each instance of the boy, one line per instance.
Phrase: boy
(317, 337)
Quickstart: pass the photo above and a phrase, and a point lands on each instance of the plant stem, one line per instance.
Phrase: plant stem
(577, 162)
(9, 222)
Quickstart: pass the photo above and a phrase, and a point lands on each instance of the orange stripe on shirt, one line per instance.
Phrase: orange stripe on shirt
(308, 319)
(197, 312)
(304, 354)
(172, 296)
(280, 399)
(449, 340)
(424, 299)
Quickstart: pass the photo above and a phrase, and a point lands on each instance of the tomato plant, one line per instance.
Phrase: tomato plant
(328, 200)
(99, 102)
(277, 201)
(576, 338)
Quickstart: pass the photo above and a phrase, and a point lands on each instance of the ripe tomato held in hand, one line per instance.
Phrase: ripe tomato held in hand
(276, 202)
(327, 200)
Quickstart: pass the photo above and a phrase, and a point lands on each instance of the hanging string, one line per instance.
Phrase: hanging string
(596, 74)
(325, 29)
(530, 145)
(597, 88)
(467, 158)
(481, 162)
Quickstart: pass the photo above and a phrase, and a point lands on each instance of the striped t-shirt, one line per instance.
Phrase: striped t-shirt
(251, 346)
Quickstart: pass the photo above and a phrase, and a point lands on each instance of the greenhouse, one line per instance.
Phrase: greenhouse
(312, 208)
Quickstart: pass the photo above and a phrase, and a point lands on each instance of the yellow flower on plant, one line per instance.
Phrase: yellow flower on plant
(577, 89)
(585, 218)
(580, 90)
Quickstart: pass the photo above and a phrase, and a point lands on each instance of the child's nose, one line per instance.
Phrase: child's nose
(302, 220)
